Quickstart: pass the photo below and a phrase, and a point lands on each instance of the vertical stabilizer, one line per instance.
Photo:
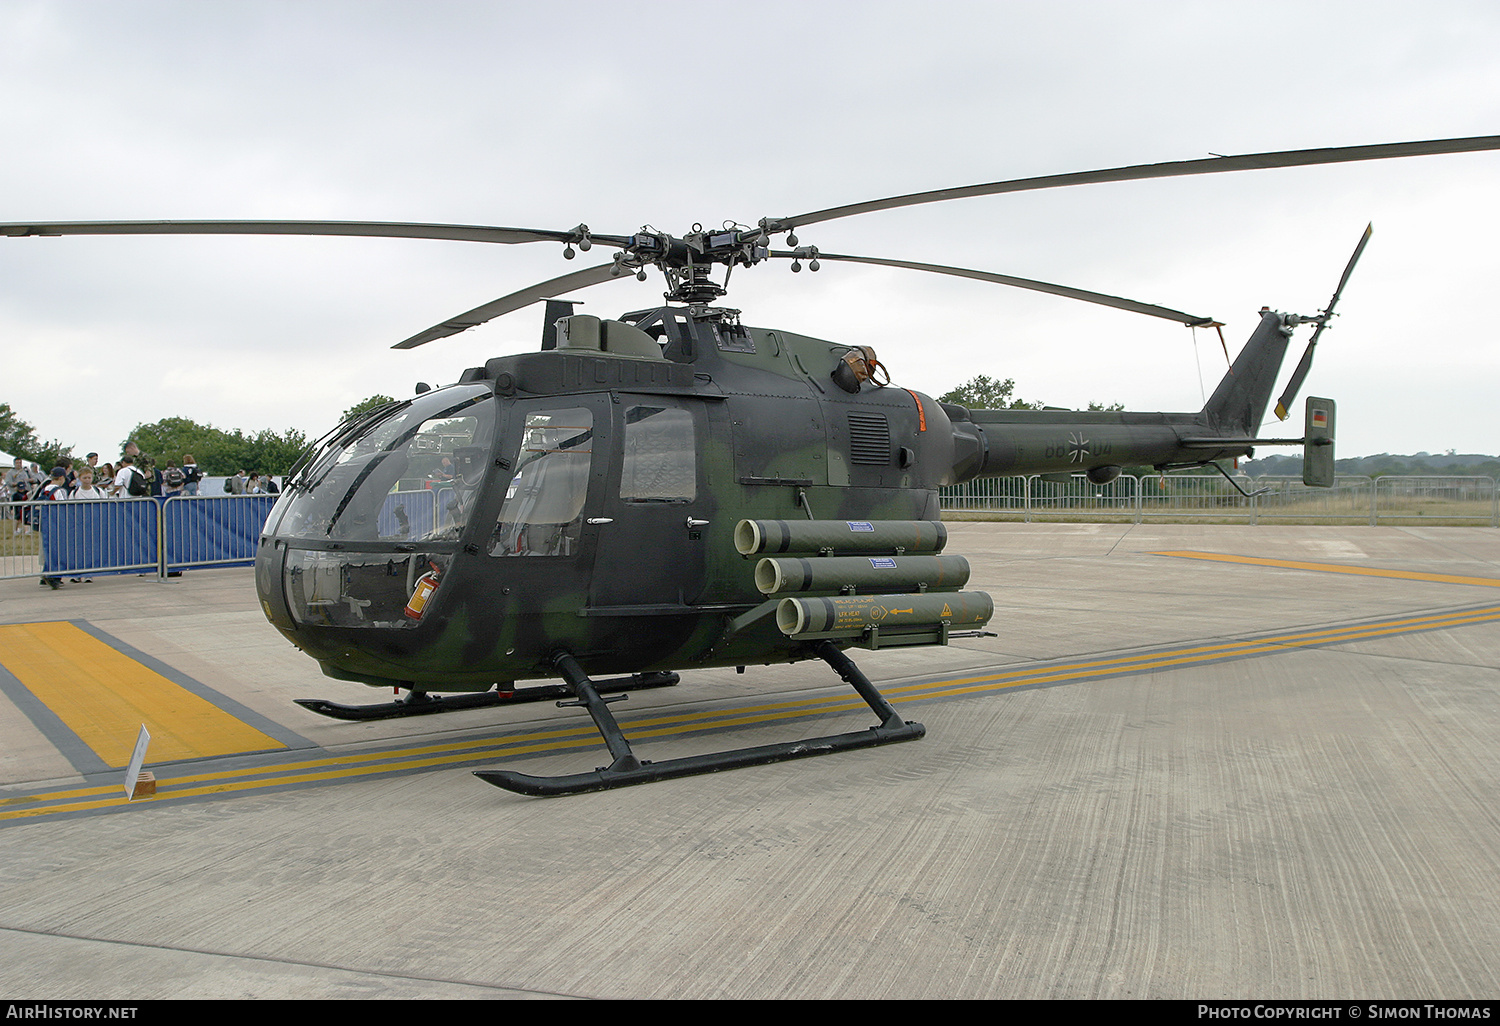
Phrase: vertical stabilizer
(1238, 405)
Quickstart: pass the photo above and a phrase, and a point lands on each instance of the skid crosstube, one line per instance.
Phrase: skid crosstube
(422, 704)
(627, 769)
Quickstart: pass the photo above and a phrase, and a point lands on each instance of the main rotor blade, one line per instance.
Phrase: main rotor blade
(1173, 169)
(515, 301)
(1119, 303)
(379, 229)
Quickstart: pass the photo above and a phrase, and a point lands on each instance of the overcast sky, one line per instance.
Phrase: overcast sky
(623, 114)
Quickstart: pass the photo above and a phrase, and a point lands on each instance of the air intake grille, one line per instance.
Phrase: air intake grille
(869, 439)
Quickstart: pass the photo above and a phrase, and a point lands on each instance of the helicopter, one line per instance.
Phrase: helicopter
(675, 489)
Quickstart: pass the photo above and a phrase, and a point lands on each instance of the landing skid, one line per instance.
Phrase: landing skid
(627, 769)
(419, 703)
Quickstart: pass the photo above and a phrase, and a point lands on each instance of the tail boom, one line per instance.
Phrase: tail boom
(1001, 443)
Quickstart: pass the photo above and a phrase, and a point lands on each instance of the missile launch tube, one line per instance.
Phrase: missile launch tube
(863, 573)
(851, 615)
(773, 537)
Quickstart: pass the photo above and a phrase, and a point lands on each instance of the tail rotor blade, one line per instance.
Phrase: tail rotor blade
(1349, 268)
(1283, 405)
(1293, 386)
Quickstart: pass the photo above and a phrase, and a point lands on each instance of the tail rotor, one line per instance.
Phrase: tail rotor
(1294, 385)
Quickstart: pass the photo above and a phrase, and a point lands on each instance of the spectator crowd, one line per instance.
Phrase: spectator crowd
(135, 475)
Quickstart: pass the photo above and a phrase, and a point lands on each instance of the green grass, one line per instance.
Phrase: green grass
(12, 544)
(1433, 512)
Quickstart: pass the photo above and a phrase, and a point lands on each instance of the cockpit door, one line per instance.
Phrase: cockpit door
(553, 457)
(655, 508)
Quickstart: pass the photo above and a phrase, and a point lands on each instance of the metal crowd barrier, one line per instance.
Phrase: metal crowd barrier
(1353, 498)
(1195, 496)
(82, 538)
(96, 537)
(1435, 499)
(410, 514)
(200, 531)
(93, 537)
(416, 512)
(1350, 499)
(1078, 499)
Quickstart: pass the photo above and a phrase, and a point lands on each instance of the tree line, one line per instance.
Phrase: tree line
(1420, 464)
(983, 392)
(272, 452)
(19, 439)
(986, 393)
(218, 452)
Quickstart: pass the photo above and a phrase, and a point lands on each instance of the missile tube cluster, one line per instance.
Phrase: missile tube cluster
(886, 577)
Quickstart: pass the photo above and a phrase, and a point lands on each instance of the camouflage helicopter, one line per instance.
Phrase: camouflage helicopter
(674, 489)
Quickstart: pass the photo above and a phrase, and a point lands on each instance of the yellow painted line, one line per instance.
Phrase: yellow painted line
(331, 769)
(1057, 673)
(1189, 657)
(104, 696)
(1339, 568)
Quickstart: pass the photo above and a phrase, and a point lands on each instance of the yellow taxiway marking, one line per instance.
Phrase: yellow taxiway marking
(1058, 673)
(104, 696)
(1339, 568)
(332, 768)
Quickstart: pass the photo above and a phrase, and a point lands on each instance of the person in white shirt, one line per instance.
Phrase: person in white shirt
(86, 489)
(121, 487)
(56, 487)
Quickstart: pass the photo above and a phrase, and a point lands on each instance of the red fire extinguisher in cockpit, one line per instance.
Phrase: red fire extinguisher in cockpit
(426, 585)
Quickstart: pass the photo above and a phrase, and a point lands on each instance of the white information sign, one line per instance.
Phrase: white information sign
(137, 759)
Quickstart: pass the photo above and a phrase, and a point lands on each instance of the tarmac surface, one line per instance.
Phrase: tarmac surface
(1271, 775)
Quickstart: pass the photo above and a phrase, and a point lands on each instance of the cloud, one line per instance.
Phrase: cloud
(670, 114)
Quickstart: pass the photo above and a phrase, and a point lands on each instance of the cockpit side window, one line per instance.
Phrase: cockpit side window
(661, 462)
(543, 510)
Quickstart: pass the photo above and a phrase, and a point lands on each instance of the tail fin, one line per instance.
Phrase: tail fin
(1238, 405)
